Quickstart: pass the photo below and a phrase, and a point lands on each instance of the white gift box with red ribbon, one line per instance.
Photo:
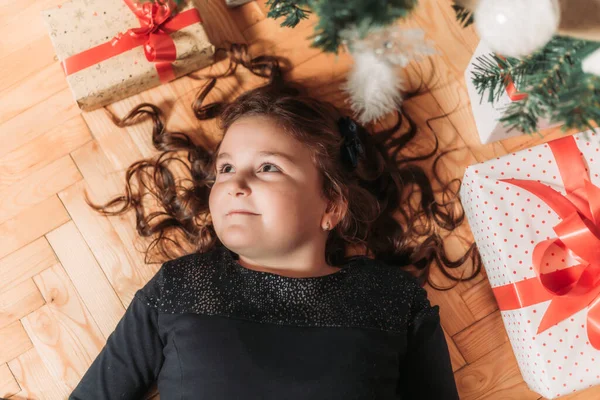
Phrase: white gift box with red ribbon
(486, 115)
(535, 216)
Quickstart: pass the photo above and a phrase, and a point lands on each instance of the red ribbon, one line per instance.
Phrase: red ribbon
(156, 24)
(574, 288)
(511, 90)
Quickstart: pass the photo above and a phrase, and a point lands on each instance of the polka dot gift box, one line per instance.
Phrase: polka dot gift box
(113, 49)
(486, 114)
(535, 216)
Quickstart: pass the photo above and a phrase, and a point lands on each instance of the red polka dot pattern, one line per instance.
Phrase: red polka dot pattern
(507, 223)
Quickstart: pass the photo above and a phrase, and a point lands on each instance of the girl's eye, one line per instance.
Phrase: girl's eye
(273, 165)
(221, 169)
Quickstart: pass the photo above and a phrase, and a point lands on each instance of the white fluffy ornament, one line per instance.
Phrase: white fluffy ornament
(516, 28)
(373, 84)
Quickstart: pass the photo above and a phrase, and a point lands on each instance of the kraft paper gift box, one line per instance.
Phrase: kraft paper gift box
(486, 115)
(113, 49)
(535, 217)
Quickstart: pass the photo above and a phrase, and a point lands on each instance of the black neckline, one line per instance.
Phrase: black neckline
(232, 262)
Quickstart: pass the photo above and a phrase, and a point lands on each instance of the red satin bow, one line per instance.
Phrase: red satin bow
(574, 288)
(158, 45)
(157, 22)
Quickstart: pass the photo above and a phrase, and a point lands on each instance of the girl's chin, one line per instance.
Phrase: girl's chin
(236, 238)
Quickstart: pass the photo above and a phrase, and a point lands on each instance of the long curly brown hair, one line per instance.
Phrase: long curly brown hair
(386, 217)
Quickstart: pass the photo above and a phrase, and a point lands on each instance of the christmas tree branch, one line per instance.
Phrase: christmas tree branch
(579, 101)
(490, 74)
(463, 15)
(289, 9)
(337, 15)
(557, 89)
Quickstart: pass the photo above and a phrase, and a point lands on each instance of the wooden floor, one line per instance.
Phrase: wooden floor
(67, 274)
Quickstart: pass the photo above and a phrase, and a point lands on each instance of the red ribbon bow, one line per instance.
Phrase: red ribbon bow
(574, 288)
(157, 22)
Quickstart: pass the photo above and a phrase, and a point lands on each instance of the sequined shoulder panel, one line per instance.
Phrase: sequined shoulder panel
(364, 294)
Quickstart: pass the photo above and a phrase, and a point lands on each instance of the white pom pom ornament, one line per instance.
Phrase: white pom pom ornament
(516, 28)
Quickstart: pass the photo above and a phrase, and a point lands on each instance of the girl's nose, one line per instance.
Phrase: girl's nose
(238, 187)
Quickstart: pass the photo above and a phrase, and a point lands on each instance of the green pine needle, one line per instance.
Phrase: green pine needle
(557, 88)
(290, 10)
(336, 15)
(464, 16)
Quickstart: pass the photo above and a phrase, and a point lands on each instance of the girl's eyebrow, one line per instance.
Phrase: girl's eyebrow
(261, 154)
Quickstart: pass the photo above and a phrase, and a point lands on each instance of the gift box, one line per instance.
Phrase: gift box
(535, 217)
(112, 49)
(487, 115)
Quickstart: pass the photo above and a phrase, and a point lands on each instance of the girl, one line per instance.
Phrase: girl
(267, 304)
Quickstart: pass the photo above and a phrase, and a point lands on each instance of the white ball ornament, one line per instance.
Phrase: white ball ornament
(516, 28)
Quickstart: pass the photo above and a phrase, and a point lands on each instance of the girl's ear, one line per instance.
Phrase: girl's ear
(335, 212)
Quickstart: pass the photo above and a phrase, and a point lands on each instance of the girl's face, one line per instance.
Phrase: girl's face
(282, 193)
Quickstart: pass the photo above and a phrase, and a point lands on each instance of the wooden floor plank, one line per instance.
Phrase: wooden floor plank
(18, 301)
(217, 21)
(487, 373)
(44, 83)
(457, 359)
(588, 394)
(480, 299)
(104, 243)
(8, 384)
(106, 183)
(19, 64)
(511, 389)
(268, 37)
(87, 276)
(43, 150)
(15, 33)
(31, 224)
(34, 379)
(20, 266)
(19, 130)
(18, 339)
(63, 331)
(38, 186)
(247, 15)
(481, 338)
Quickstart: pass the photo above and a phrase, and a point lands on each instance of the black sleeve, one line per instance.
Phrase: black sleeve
(132, 357)
(426, 371)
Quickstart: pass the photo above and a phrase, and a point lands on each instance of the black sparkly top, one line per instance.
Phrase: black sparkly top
(205, 327)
